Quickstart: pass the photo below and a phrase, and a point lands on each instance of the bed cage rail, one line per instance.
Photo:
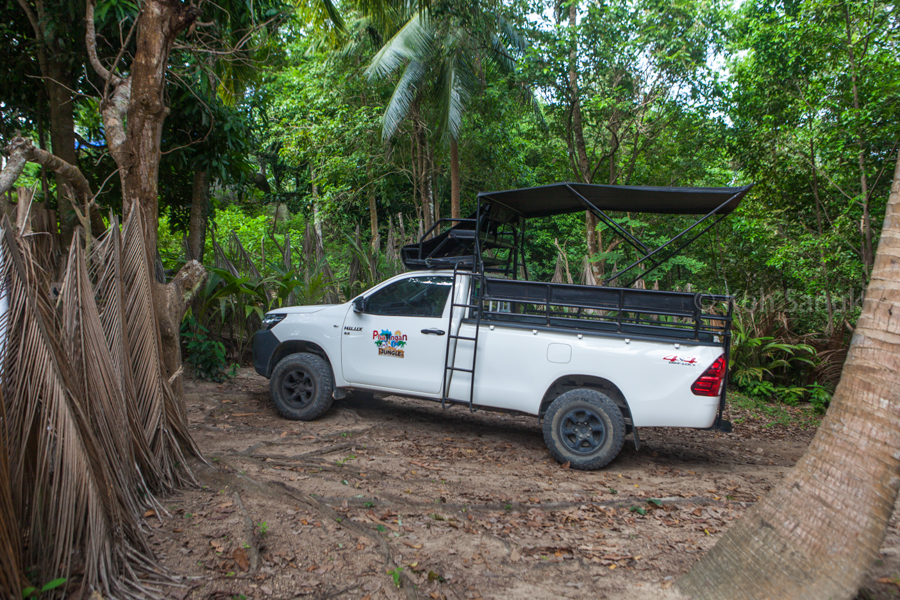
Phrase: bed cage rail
(676, 316)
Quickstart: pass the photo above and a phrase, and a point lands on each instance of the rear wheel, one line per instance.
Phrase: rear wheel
(302, 386)
(584, 428)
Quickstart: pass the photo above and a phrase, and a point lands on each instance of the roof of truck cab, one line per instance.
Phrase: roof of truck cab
(563, 198)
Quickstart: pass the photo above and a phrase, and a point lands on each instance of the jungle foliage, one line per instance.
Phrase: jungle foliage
(320, 149)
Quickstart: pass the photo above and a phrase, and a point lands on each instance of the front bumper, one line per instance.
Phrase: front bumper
(264, 345)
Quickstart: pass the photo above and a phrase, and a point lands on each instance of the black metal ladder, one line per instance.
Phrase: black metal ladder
(474, 302)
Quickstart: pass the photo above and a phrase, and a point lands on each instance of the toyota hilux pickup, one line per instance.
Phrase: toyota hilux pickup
(594, 363)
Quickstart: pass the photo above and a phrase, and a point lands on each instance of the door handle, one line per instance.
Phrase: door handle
(434, 331)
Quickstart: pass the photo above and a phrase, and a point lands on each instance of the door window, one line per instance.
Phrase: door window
(420, 296)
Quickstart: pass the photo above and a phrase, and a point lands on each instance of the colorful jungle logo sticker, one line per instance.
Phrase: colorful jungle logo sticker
(389, 343)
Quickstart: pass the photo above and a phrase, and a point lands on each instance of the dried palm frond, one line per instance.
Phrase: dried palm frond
(161, 413)
(221, 260)
(61, 483)
(100, 390)
(106, 274)
(12, 582)
(243, 261)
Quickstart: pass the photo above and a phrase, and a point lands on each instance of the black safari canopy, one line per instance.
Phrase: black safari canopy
(499, 221)
(562, 198)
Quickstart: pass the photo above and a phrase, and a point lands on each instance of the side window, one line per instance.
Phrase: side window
(422, 296)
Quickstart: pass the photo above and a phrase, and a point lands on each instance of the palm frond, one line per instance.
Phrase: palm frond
(401, 100)
(321, 14)
(100, 392)
(106, 274)
(412, 43)
(244, 261)
(508, 42)
(161, 414)
(12, 582)
(60, 480)
(457, 82)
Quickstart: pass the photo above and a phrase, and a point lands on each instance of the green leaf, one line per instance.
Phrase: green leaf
(52, 585)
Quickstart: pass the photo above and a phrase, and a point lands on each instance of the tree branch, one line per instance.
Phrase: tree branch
(113, 111)
(91, 43)
(21, 150)
(32, 18)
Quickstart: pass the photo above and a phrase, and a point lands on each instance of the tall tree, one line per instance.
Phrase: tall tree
(55, 28)
(619, 76)
(816, 534)
(813, 102)
(445, 54)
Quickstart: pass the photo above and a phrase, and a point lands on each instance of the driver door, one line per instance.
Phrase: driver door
(399, 341)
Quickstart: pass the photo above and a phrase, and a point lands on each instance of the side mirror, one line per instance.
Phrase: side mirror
(359, 304)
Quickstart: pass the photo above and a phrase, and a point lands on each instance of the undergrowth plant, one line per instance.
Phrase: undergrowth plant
(769, 367)
(206, 355)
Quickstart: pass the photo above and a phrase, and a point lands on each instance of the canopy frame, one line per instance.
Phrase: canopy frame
(465, 242)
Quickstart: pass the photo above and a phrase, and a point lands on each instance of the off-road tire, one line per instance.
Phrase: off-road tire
(584, 428)
(302, 386)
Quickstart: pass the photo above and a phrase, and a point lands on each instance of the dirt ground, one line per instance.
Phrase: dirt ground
(397, 498)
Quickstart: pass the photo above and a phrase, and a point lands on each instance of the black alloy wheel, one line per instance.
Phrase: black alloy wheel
(585, 428)
(302, 386)
(582, 430)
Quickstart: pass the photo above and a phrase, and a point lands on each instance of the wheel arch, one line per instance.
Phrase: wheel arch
(571, 382)
(294, 347)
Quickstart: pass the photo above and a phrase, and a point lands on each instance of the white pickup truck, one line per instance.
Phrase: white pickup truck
(595, 363)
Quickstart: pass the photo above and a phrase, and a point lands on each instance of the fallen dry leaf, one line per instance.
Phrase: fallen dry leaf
(241, 559)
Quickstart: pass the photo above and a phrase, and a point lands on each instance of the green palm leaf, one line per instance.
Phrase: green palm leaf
(412, 43)
(408, 88)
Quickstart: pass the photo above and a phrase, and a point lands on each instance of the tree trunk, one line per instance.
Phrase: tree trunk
(824, 264)
(578, 143)
(197, 222)
(434, 204)
(865, 225)
(817, 533)
(134, 111)
(58, 83)
(62, 142)
(423, 175)
(373, 209)
(454, 179)
(170, 302)
(160, 23)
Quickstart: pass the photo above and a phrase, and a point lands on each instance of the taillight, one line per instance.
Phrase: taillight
(710, 383)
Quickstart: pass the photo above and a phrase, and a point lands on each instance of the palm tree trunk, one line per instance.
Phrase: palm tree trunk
(817, 533)
(454, 178)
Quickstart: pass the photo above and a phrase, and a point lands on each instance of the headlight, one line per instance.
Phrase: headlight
(271, 320)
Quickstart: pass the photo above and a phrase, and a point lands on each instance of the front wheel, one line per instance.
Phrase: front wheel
(584, 428)
(302, 386)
